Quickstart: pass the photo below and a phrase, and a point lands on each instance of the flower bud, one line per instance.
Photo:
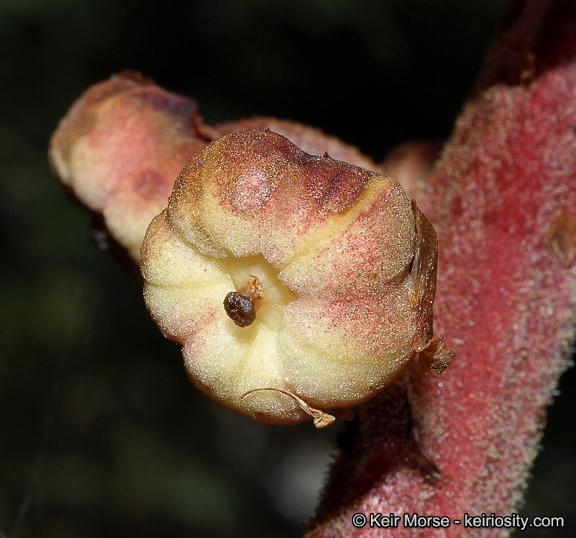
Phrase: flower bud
(294, 283)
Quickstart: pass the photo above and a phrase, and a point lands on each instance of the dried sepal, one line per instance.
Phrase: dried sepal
(423, 275)
(435, 356)
(320, 418)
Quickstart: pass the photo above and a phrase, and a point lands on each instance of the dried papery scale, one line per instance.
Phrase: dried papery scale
(321, 418)
(295, 283)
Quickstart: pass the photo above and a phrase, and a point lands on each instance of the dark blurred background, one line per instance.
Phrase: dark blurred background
(101, 434)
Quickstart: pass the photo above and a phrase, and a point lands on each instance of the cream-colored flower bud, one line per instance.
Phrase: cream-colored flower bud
(295, 283)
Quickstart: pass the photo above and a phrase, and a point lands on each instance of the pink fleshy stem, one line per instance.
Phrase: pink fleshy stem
(503, 200)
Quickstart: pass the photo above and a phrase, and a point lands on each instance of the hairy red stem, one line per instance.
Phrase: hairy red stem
(503, 201)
